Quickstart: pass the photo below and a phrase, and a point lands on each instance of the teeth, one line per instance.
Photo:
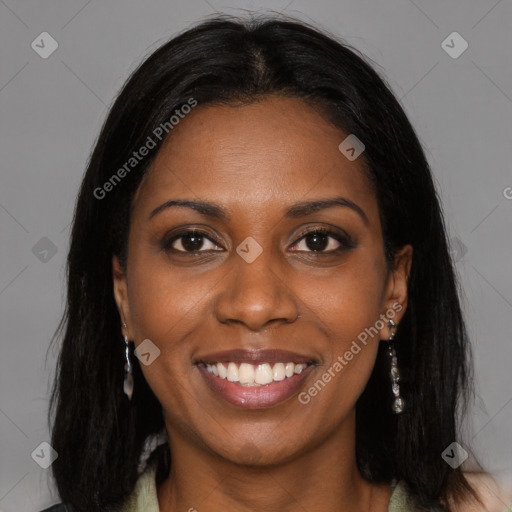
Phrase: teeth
(232, 373)
(247, 374)
(263, 374)
(221, 369)
(279, 373)
(299, 368)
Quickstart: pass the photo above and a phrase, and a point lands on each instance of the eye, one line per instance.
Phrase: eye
(322, 240)
(190, 241)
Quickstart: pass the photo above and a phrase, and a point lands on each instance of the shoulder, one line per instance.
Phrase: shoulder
(143, 498)
(494, 491)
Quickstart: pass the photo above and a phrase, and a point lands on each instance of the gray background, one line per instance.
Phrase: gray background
(52, 109)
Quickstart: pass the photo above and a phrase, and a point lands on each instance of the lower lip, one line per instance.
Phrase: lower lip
(256, 397)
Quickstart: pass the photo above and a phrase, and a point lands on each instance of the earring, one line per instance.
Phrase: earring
(398, 402)
(128, 373)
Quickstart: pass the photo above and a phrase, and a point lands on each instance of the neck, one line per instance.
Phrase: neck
(323, 478)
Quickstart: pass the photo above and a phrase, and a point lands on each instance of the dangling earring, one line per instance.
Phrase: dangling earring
(398, 402)
(128, 373)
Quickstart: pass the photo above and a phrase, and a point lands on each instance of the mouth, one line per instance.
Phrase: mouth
(251, 375)
(255, 379)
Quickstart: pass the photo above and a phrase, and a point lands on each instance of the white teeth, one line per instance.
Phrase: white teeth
(232, 373)
(279, 373)
(248, 374)
(299, 368)
(221, 369)
(263, 374)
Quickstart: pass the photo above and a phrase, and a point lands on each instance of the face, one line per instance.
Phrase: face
(254, 273)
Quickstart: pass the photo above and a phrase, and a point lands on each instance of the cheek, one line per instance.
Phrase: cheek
(348, 300)
(164, 307)
(164, 301)
(162, 310)
(346, 307)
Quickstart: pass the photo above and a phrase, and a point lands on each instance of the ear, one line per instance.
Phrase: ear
(395, 293)
(121, 297)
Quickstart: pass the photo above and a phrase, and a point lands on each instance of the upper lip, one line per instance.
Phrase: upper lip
(255, 356)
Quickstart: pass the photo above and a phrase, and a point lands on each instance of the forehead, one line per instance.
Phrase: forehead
(254, 156)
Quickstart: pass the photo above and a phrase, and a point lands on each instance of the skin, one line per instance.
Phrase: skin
(255, 161)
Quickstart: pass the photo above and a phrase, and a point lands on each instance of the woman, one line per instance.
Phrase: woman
(258, 226)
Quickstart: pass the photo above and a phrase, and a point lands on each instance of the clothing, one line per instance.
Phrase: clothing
(144, 497)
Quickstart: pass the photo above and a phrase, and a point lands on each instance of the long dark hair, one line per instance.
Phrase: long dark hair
(97, 433)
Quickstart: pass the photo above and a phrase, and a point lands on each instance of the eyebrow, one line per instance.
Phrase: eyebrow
(300, 209)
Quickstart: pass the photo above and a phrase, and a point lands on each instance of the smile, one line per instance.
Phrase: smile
(255, 379)
(249, 375)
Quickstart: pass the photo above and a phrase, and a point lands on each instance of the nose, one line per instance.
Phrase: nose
(255, 295)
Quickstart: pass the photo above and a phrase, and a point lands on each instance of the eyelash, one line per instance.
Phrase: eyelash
(345, 241)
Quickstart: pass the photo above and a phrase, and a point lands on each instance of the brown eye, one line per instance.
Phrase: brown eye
(322, 241)
(190, 241)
